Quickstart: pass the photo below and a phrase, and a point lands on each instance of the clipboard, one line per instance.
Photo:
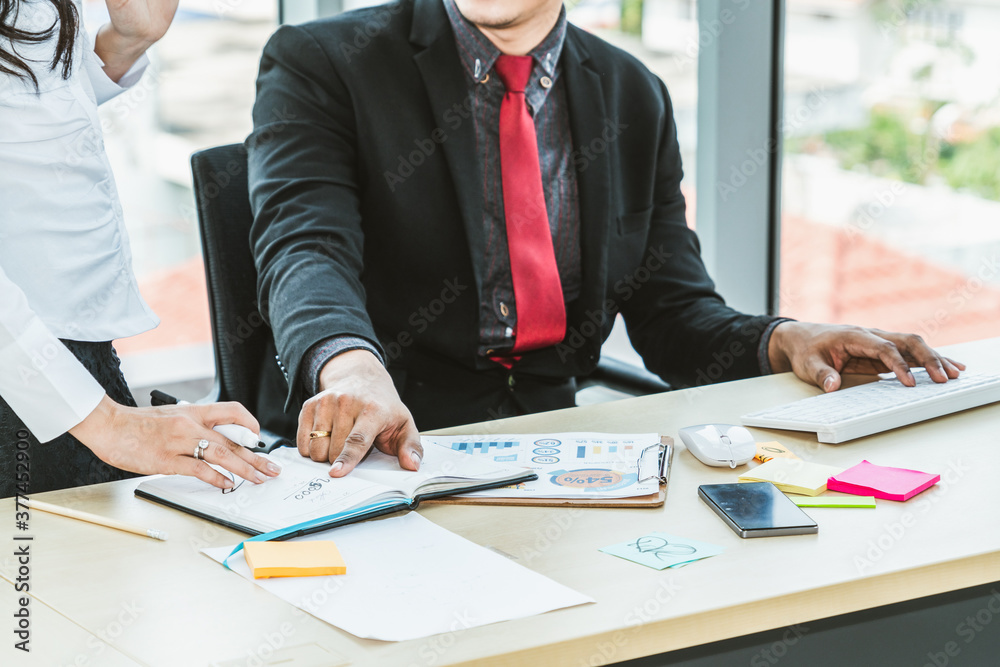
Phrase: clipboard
(659, 467)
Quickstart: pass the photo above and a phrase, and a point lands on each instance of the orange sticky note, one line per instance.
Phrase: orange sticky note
(293, 559)
(772, 450)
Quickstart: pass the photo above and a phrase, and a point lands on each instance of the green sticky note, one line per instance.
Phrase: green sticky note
(834, 501)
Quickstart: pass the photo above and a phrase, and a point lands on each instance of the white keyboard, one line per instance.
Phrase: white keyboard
(879, 406)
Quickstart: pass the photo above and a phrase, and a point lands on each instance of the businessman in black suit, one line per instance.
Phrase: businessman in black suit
(454, 198)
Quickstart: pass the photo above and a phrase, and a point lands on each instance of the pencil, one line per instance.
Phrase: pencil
(99, 520)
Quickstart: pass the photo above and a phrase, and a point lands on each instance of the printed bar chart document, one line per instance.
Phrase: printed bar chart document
(577, 467)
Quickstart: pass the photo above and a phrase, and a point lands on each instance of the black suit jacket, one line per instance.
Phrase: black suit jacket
(367, 198)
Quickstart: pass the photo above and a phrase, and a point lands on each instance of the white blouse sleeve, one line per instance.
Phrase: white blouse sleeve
(104, 88)
(41, 380)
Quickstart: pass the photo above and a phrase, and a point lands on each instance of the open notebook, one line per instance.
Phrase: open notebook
(304, 493)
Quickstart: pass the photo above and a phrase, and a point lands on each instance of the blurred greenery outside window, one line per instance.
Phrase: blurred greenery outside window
(891, 183)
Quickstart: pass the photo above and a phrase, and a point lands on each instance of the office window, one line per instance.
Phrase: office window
(891, 172)
(663, 35)
(197, 93)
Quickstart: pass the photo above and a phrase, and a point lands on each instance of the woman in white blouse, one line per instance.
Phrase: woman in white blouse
(66, 283)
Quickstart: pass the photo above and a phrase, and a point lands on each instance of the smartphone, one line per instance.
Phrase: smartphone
(757, 509)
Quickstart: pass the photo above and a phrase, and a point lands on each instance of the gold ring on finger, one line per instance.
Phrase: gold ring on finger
(318, 434)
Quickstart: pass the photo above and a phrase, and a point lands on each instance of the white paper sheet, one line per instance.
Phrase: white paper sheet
(409, 578)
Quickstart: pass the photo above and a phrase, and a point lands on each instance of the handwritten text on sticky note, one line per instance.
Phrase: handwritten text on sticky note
(660, 550)
(772, 449)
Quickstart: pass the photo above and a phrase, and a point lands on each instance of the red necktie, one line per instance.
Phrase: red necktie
(541, 311)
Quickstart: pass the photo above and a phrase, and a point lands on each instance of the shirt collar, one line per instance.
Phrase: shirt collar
(474, 47)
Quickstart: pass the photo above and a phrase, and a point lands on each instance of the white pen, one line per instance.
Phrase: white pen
(241, 435)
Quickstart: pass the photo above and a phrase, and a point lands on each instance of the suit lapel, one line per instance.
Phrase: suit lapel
(588, 120)
(439, 65)
(448, 90)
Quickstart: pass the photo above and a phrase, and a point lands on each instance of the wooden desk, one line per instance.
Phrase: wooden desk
(55, 639)
(191, 612)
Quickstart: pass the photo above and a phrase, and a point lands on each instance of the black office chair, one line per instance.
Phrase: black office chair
(624, 377)
(242, 342)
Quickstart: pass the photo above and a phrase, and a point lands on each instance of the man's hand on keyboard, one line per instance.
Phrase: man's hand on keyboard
(819, 353)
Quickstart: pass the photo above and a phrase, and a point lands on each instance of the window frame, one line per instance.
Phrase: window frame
(738, 178)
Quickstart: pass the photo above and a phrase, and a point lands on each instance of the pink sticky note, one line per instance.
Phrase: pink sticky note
(868, 479)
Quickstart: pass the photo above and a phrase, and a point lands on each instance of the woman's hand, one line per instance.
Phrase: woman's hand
(135, 26)
(164, 439)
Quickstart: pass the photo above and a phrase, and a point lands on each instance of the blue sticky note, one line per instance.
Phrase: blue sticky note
(660, 550)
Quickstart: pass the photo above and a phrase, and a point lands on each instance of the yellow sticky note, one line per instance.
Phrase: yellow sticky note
(772, 450)
(793, 475)
(293, 559)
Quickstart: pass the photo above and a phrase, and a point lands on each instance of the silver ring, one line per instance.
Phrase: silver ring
(200, 449)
